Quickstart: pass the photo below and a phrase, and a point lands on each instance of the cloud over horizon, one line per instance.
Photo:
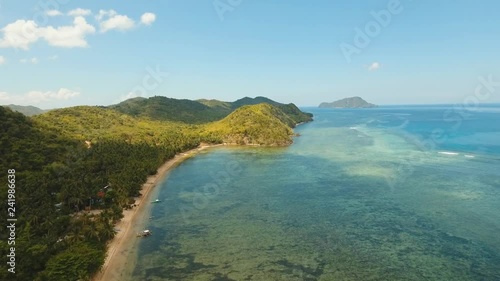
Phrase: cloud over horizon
(21, 34)
(37, 97)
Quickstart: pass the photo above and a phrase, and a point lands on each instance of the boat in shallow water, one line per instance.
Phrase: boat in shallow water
(144, 233)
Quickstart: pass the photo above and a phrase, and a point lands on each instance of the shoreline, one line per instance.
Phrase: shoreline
(118, 248)
(119, 261)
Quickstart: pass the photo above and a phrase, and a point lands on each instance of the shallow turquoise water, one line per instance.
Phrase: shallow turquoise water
(383, 194)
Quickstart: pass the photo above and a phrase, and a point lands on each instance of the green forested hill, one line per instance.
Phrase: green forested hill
(57, 175)
(23, 145)
(167, 109)
(26, 110)
(217, 104)
(200, 111)
(291, 110)
(92, 123)
(246, 125)
(91, 157)
(260, 124)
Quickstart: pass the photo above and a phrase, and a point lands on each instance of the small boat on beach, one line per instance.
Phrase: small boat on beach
(156, 201)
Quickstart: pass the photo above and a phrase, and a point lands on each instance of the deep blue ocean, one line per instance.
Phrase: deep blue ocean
(391, 193)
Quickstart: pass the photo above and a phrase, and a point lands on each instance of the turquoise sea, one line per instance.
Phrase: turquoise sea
(392, 193)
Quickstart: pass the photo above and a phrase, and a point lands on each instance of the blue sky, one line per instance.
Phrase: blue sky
(56, 53)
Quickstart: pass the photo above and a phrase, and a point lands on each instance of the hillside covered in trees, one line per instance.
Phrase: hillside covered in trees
(97, 158)
(200, 111)
(26, 110)
(260, 124)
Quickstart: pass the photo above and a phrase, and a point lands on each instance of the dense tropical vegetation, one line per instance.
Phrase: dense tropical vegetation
(75, 160)
(260, 124)
(200, 111)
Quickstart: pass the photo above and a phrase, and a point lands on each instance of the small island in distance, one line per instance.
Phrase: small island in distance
(353, 102)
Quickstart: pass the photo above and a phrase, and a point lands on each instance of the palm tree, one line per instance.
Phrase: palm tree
(77, 201)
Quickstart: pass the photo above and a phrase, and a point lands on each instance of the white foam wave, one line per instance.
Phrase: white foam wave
(469, 156)
(448, 153)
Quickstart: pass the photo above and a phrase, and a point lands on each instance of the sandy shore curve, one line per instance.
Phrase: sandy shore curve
(120, 257)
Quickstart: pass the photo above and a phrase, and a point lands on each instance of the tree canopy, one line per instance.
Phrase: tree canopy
(97, 158)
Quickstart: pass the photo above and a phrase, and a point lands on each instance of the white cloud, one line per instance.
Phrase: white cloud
(79, 12)
(53, 13)
(35, 97)
(21, 34)
(61, 94)
(110, 20)
(119, 22)
(33, 60)
(148, 18)
(54, 57)
(69, 36)
(2, 60)
(103, 13)
(374, 66)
